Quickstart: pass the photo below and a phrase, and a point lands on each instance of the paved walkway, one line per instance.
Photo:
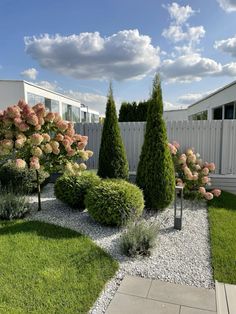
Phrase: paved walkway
(145, 296)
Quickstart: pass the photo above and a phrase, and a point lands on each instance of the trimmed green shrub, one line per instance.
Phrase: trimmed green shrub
(114, 202)
(72, 189)
(112, 156)
(12, 205)
(23, 179)
(155, 173)
(139, 238)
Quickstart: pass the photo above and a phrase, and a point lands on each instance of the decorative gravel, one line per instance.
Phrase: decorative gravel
(181, 257)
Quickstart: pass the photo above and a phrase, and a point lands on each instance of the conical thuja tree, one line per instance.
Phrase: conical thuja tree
(112, 156)
(155, 173)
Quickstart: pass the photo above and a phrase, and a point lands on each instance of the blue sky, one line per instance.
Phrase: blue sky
(76, 47)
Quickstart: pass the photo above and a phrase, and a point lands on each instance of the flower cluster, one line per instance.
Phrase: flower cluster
(39, 138)
(192, 173)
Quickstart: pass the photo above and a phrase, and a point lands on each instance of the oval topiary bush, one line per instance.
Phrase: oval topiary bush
(114, 202)
(72, 189)
(20, 180)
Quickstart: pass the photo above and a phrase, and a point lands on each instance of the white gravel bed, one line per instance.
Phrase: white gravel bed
(181, 257)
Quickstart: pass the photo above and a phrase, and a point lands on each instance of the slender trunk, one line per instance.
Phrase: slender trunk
(38, 190)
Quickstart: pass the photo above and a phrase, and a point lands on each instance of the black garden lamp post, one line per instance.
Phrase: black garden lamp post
(179, 210)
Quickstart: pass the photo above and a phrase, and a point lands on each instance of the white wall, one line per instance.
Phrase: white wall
(175, 115)
(10, 93)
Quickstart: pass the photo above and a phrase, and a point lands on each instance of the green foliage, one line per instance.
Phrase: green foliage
(222, 220)
(49, 269)
(12, 205)
(139, 238)
(155, 173)
(23, 179)
(112, 156)
(130, 112)
(114, 202)
(72, 189)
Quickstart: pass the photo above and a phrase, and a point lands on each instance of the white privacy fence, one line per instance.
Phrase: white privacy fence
(214, 140)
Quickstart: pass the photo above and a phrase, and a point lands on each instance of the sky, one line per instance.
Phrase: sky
(77, 47)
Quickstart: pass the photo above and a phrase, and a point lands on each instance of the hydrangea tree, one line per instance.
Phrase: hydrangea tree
(37, 138)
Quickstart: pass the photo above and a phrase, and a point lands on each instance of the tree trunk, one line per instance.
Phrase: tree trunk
(38, 190)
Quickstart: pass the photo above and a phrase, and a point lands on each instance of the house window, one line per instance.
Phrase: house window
(229, 111)
(75, 114)
(66, 112)
(83, 116)
(34, 99)
(94, 118)
(199, 116)
(218, 113)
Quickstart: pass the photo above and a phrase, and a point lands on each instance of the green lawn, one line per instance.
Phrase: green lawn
(222, 218)
(48, 269)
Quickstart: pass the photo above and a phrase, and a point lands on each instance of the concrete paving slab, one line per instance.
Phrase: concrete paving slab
(190, 310)
(127, 304)
(135, 286)
(184, 295)
(231, 298)
(222, 307)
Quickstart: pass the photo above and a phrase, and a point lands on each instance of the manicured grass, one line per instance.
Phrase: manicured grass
(47, 269)
(222, 218)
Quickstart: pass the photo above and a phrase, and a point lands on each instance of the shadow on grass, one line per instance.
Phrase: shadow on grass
(226, 200)
(40, 228)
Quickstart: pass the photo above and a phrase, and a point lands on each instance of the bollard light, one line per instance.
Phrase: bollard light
(178, 210)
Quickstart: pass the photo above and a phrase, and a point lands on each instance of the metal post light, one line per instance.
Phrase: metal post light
(178, 211)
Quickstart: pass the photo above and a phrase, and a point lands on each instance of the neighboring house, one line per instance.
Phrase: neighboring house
(70, 109)
(175, 115)
(218, 105)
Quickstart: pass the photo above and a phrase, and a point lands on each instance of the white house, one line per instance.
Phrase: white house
(70, 109)
(175, 115)
(218, 105)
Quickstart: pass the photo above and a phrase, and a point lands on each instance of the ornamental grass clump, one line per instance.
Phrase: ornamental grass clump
(114, 202)
(12, 205)
(71, 189)
(193, 173)
(139, 238)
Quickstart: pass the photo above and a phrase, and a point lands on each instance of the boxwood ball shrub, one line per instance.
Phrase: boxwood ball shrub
(71, 189)
(114, 202)
(18, 179)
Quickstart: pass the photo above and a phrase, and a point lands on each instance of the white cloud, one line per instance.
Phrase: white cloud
(30, 73)
(124, 55)
(48, 85)
(189, 68)
(227, 45)
(229, 69)
(94, 101)
(175, 33)
(180, 14)
(169, 106)
(227, 5)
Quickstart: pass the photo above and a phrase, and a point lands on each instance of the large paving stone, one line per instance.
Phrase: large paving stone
(190, 310)
(127, 304)
(135, 286)
(184, 295)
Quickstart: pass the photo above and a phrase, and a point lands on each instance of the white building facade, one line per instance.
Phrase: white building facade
(70, 109)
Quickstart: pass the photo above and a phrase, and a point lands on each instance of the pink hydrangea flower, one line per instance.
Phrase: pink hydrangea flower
(211, 166)
(208, 196)
(216, 192)
(36, 151)
(202, 190)
(34, 163)
(36, 139)
(19, 143)
(50, 117)
(20, 163)
(62, 125)
(46, 137)
(176, 144)
(205, 180)
(205, 171)
(47, 148)
(59, 137)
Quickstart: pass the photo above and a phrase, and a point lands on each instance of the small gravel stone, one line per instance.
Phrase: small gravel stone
(181, 257)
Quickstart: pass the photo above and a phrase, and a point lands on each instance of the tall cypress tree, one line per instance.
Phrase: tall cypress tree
(112, 156)
(155, 173)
